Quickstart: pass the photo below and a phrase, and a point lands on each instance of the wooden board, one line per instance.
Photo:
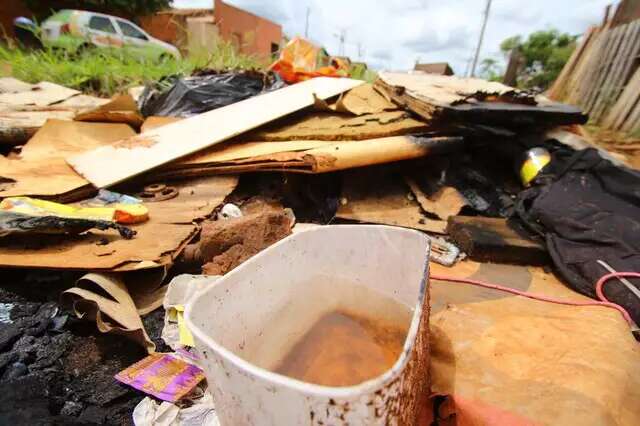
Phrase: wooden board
(557, 90)
(494, 240)
(108, 165)
(625, 104)
(619, 73)
(602, 93)
(443, 99)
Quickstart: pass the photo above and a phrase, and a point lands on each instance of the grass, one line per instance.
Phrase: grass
(106, 72)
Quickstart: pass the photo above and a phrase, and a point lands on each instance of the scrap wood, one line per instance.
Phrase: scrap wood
(496, 240)
(17, 127)
(41, 94)
(372, 197)
(439, 98)
(225, 244)
(116, 313)
(446, 202)
(504, 352)
(111, 164)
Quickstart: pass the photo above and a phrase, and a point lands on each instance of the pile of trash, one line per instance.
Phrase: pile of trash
(138, 204)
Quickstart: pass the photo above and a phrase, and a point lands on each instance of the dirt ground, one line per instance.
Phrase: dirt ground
(56, 369)
(621, 144)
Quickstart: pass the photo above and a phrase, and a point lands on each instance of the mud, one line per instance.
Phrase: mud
(56, 369)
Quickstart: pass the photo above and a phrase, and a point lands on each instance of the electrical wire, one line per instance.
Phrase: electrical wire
(604, 302)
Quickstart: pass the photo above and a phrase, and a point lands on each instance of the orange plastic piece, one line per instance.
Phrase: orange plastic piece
(301, 60)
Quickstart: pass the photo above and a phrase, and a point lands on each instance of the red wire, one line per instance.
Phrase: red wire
(543, 298)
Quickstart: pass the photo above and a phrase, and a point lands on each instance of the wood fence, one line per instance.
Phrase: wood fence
(603, 78)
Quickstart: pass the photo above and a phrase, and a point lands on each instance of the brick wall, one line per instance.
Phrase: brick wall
(250, 33)
(10, 10)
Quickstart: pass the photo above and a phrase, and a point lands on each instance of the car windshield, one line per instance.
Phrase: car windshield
(100, 23)
(131, 31)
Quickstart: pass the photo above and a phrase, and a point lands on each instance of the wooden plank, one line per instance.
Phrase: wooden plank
(603, 69)
(557, 91)
(487, 239)
(108, 165)
(608, 93)
(633, 121)
(578, 80)
(626, 78)
(625, 104)
(631, 55)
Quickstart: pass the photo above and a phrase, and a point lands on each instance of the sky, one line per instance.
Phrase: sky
(393, 34)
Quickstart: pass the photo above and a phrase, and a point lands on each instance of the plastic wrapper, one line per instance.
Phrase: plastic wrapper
(301, 60)
(24, 215)
(204, 91)
(165, 376)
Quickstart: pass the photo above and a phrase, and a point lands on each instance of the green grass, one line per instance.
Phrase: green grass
(106, 72)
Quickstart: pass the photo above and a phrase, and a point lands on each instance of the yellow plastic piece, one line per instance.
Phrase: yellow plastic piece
(119, 213)
(185, 336)
(532, 166)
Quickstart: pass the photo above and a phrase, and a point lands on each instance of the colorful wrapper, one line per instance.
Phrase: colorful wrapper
(163, 376)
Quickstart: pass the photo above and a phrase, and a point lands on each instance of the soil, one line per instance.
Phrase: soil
(56, 369)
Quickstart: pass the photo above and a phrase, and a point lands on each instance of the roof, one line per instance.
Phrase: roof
(186, 12)
(440, 68)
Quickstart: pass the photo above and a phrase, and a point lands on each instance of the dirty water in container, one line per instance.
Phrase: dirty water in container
(357, 335)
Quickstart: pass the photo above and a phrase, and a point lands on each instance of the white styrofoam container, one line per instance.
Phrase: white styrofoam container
(229, 318)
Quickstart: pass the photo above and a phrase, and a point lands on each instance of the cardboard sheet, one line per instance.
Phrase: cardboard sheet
(43, 157)
(108, 165)
(360, 100)
(305, 156)
(332, 126)
(511, 360)
(372, 197)
(116, 313)
(158, 241)
(120, 109)
(446, 202)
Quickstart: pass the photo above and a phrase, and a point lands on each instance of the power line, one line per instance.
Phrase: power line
(484, 27)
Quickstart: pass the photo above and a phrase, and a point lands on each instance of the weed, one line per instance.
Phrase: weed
(109, 71)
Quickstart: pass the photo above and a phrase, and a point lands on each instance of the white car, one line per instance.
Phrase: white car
(77, 29)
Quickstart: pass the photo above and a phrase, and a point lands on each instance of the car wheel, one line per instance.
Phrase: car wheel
(165, 57)
(85, 48)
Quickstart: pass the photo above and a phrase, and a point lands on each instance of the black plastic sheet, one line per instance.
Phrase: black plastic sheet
(204, 91)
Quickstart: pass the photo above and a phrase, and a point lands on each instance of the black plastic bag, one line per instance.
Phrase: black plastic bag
(204, 91)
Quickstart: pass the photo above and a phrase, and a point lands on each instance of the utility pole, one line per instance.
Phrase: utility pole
(361, 51)
(484, 27)
(342, 37)
(306, 27)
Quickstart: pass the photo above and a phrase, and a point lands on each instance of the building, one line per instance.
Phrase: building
(249, 33)
(440, 68)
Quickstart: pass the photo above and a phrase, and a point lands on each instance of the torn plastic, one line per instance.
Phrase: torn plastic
(150, 413)
(301, 60)
(204, 91)
(19, 223)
